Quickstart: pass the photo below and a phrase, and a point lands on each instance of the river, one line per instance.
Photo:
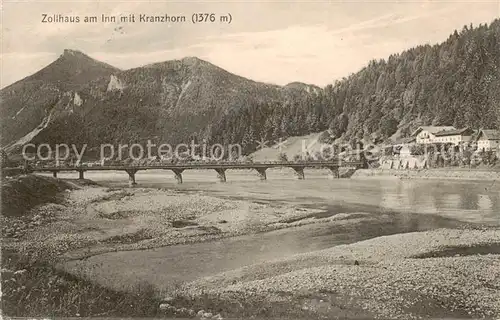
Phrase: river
(413, 205)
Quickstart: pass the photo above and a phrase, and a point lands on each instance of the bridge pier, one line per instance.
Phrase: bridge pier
(80, 174)
(221, 174)
(334, 173)
(178, 175)
(131, 177)
(54, 174)
(299, 171)
(262, 173)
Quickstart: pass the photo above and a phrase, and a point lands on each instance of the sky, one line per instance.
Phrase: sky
(277, 42)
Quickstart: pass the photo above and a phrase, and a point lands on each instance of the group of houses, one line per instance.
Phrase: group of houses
(407, 157)
(485, 139)
(482, 140)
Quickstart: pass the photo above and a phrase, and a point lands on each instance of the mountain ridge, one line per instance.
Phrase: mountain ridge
(455, 82)
(79, 92)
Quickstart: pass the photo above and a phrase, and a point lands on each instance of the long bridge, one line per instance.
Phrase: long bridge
(220, 168)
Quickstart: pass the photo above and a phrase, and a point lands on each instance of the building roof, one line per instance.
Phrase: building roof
(456, 132)
(433, 129)
(489, 134)
(405, 140)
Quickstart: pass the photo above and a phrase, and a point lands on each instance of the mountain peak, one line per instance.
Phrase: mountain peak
(70, 54)
(193, 59)
(192, 63)
(195, 62)
(72, 69)
(78, 59)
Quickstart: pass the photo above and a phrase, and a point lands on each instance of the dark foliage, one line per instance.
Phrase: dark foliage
(21, 194)
(454, 83)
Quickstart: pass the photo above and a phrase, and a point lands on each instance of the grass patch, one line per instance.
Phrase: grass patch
(34, 289)
(22, 193)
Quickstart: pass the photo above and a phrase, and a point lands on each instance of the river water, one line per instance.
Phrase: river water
(471, 201)
(414, 205)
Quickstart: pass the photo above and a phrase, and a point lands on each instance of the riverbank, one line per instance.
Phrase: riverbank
(35, 288)
(439, 273)
(72, 240)
(92, 219)
(451, 173)
(31, 285)
(48, 221)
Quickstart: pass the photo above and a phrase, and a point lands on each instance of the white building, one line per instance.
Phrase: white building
(488, 140)
(454, 136)
(427, 134)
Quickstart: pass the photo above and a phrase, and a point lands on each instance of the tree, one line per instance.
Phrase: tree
(388, 126)
(339, 125)
(282, 157)
(466, 156)
(417, 149)
(4, 159)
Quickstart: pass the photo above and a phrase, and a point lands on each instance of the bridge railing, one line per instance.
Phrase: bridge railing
(202, 165)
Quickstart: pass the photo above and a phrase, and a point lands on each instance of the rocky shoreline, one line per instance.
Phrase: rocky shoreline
(386, 277)
(94, 220)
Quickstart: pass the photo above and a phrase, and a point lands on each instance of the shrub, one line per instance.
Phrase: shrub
(282, 157)
(297, 158)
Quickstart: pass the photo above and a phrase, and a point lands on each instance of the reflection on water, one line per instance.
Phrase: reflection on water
(470, 201)
(477, 202)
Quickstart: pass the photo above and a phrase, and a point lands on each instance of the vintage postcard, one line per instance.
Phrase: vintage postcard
(250, 159)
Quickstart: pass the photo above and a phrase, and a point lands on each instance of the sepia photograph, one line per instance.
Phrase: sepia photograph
(250, 159)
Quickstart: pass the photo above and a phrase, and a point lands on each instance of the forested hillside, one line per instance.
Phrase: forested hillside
(454, 83)
(79, 100)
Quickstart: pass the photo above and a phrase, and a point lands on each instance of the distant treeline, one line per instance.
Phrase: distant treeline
(453, 83)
